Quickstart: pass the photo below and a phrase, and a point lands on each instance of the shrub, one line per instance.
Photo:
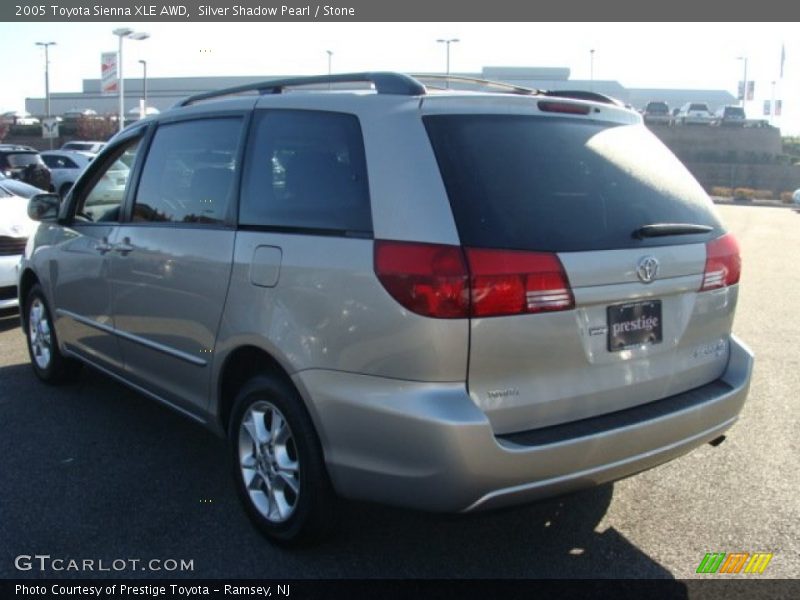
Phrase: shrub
(742, 193)
(95, 128)
(724, 192)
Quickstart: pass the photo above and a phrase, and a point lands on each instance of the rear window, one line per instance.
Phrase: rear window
(698, 107)
(23, 159)
(658, 108)
(562, 185)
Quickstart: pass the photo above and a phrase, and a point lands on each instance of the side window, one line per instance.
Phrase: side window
(189, 172)
(306, 169)
(103, 201)
(59, 162)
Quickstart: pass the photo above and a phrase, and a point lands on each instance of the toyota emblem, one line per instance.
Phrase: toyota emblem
(647, 269)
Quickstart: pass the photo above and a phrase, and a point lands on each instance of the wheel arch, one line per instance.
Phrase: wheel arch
(26, 282)
(239, 366)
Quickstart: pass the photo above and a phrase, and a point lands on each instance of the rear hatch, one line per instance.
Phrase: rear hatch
(587, 244)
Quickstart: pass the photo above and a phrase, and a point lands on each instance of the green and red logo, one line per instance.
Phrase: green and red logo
(734, 562)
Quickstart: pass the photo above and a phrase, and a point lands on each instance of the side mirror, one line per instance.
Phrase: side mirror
(44, 207)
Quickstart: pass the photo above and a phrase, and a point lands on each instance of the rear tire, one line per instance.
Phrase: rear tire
(278, 464)
(49, 364)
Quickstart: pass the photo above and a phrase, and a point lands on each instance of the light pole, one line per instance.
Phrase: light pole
(46, 46)
(122, 33)
(591, 69)
(744, 81)
(447, 43)
(330, 57)
(143, 108)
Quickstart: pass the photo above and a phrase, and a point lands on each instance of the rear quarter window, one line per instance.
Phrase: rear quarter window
(306, 171)
(562, 185)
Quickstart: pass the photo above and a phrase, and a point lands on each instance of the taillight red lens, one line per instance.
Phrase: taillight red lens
(509, 282)
(723, 263)
(428, 279)
(435, 280)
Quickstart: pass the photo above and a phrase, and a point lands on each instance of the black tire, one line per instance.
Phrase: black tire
(52, 368)
(309, 512)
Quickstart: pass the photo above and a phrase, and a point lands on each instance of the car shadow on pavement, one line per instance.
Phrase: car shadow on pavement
(555, 538)
(9, 319)
(94, 470)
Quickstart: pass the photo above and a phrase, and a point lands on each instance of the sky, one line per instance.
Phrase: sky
(658, 55)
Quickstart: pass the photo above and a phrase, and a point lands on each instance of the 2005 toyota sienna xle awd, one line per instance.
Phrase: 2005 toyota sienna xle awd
(448, 300)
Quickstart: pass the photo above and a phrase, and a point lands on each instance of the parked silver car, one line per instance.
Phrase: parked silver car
(429, 298)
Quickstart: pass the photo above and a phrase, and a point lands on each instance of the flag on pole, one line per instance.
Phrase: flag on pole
(783, 57)
(108, 73)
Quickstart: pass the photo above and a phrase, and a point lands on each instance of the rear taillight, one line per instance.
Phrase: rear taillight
(509, 282)
(723, 263)
(438, 281)
(428, 279)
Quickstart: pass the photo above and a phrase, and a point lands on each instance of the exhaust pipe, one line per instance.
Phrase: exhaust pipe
(717, 441)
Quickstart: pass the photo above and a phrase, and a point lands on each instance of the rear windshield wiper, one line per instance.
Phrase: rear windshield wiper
(661, 229)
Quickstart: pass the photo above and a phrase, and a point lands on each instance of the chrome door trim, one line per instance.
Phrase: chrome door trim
(194, 360)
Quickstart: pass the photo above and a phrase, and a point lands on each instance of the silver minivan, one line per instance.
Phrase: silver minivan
(376, 289)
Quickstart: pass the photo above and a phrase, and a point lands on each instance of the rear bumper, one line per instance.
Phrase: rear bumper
(427, 446)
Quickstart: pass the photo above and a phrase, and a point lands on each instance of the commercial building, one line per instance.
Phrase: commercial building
(163, 92)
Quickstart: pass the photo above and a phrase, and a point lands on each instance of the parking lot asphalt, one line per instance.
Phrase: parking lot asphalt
(92, 470)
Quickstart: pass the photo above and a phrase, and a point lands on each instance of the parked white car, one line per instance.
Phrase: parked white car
(695, 113)
(83, 146)
(15, 229)
(65, 167)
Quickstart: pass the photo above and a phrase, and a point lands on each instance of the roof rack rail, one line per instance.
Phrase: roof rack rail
(385, 82)
(487, 83)
(584, 95)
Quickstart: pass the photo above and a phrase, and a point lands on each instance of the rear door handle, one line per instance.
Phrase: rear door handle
(103, 246)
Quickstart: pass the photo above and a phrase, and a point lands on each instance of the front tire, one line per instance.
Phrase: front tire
(49, 364)
(277, 463)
